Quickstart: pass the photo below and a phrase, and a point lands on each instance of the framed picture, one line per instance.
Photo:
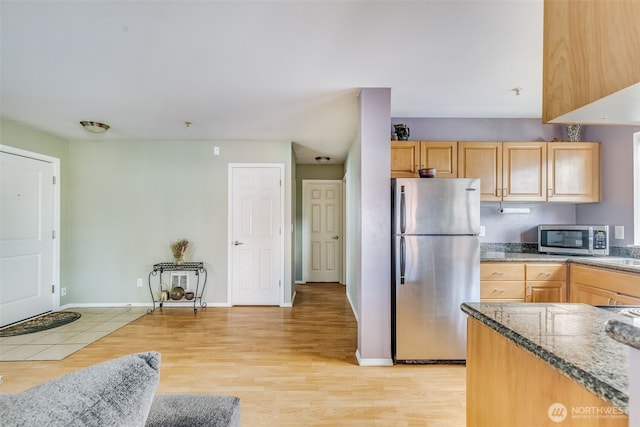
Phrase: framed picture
(180, 279)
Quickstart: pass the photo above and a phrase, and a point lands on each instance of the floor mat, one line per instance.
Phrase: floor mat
(40, 323)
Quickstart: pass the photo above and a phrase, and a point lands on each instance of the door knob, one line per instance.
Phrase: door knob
(335, 237)
(236, 243)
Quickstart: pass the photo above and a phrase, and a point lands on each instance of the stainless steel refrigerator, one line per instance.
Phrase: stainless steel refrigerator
(435, 267)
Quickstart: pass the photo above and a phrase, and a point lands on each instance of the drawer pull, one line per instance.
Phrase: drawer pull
(498, 273)
(498, 291)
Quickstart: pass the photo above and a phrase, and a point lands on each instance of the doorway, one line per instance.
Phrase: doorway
(322, 236)
(29, 246)
(256, 228)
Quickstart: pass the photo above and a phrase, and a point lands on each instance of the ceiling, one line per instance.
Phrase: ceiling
(263, 70)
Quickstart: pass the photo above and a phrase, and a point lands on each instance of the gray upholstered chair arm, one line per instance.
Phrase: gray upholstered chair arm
(194, 410)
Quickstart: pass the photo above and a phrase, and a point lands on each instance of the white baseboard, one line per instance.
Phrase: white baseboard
(290, 304)
(300, 282)
(353, 309)
(140, 304)
(373, 362)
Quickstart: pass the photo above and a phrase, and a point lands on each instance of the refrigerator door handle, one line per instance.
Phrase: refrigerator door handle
(403, 263)
(403, 213)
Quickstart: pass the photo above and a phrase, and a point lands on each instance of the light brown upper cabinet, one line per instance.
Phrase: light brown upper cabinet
(574, 172)
(405, 159)
(590, 51)
(508, 171)
(409, 156)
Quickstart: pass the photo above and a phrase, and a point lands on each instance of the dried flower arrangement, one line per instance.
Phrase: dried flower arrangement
(178, 248)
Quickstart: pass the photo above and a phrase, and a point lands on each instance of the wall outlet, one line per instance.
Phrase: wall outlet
(216, 151)
(482, 231)
(63, 291)
(619, 231)
(139, 282)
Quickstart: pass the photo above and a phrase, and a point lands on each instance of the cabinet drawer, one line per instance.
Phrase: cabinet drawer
(546, 272)
(501, 271)
(504, 289)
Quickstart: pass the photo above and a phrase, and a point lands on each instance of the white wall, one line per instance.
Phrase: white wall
(130, 199)
(374, 316)
(616, 207)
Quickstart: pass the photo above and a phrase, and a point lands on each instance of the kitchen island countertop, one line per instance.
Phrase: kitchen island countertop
(571, 338)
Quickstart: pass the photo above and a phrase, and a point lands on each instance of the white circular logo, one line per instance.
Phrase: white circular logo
(557, 412)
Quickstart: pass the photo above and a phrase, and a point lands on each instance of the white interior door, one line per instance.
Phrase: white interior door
(322, 230)
(26, 237)
(256, 251)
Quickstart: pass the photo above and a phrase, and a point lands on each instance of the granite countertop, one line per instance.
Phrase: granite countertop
(571, 338)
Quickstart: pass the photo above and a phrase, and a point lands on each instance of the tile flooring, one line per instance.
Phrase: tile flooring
(60, 342)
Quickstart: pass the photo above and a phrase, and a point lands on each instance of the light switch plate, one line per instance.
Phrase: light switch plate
(482, 231)
(619, 231)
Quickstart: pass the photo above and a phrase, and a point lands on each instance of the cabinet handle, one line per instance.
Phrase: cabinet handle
(498, 291)
(499, 192)
(505, 193)
(550, 192)
(497, 273)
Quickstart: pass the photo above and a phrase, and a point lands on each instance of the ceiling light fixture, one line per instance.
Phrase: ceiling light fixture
(94, 127)
(323, 159)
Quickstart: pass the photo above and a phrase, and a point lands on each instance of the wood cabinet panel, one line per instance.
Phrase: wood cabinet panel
(442, 155)
(574, 172)
(599, 286)
(501, 271)
(482, 160)
(524, 171)
(546, 282)
(546, 291)
(590, 50)
(409, 156)
(405, 158)
(508, 386)
(544, 271)
(512, 290)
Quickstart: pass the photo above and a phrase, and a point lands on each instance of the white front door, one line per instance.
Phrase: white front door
(26, 237)
(256, 222)
(322, 230)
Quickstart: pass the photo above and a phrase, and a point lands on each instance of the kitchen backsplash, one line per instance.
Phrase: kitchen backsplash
(530, 248)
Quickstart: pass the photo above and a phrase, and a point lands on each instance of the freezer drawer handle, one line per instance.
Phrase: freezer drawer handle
(402, 260)
(403, 219)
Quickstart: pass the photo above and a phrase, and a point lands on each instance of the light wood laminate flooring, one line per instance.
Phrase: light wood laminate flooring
(289, 366)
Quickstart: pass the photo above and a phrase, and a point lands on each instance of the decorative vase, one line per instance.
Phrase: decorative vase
(402, 131)
(573, 132)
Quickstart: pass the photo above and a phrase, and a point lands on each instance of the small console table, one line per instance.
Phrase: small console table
(157, 297)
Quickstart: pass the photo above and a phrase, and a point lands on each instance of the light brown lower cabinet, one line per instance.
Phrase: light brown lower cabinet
(523, 282)
(508, 386)
(546, 282)
(601, 286)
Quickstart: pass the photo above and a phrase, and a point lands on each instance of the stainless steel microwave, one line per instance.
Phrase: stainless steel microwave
(573, 239)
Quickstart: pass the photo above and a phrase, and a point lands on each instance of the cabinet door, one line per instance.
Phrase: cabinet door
(590, 295)
(405, 159)
(546, 291)
(573, 172)
(626, 300)
(524, 171)
(482, 160)
(442, 155)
